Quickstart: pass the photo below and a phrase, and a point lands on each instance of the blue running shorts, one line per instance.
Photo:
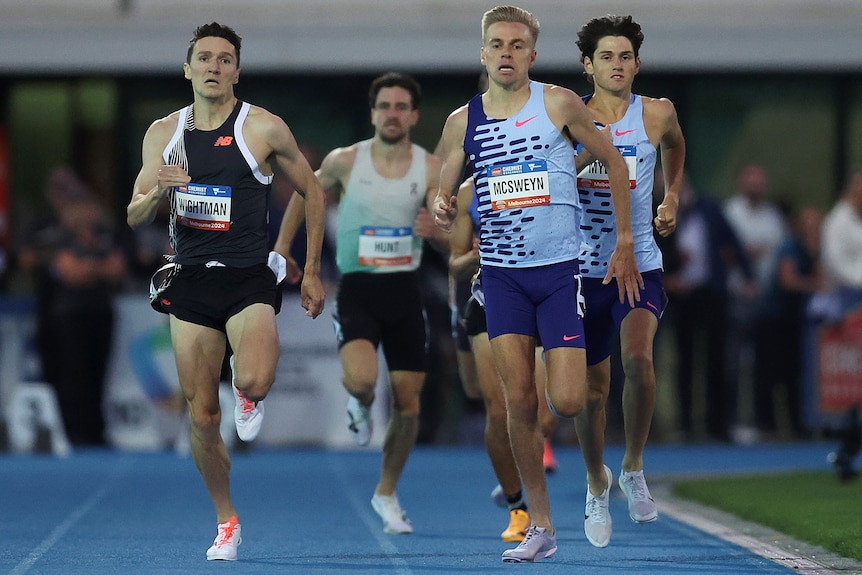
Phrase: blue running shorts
(605, 313)
(543, 301)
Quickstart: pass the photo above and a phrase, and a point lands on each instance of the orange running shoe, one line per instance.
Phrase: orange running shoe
(548, 459)
(519, 522)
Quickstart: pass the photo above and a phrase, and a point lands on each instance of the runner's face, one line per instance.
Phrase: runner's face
(614, 65)
(213, 69)
(393, 114)
(508, 52)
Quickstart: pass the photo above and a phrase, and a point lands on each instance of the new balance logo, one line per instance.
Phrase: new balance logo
(223, 141)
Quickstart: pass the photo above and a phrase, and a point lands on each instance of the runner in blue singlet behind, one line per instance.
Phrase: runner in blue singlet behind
(518, 138)
(636, 125)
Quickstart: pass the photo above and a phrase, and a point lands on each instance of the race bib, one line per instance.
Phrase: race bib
(203, 207)
(521, 185)
(380, 246)
(595, 176)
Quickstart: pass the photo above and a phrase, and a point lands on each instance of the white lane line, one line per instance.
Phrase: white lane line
(799, 564)
(58, 532)
(362, 509)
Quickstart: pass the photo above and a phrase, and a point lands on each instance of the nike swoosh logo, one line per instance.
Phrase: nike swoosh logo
(617, 133)
(352, 427)
(519, 124)
(570, 337)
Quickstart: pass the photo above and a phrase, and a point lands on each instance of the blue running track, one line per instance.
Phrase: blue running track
(308, 511)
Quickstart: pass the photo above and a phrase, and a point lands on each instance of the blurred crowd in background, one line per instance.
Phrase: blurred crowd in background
(751, 279)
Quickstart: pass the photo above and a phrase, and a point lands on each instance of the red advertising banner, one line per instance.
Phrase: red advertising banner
(840, 364)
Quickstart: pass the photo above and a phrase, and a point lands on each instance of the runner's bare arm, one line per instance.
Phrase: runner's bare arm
(672, 149)
(289, 160)
(451, 149)
(155, 179)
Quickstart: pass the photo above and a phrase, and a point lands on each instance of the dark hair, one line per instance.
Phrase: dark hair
(395, 79)
(215, 30)
(610, 25)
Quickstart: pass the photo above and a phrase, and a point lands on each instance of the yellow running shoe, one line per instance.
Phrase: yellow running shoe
(519, 522)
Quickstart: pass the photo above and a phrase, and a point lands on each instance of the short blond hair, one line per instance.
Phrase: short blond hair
(510, 14)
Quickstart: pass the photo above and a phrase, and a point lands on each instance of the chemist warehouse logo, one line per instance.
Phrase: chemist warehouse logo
(517, 169)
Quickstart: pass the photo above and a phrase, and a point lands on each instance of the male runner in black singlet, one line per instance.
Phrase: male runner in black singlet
(214, 161)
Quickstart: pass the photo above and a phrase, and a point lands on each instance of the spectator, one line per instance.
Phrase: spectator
(797, 275)
(841, 300)
(77, 266)
(842, 248)
(761, 228)
(44, 233)
(708, 250)
(85, 272)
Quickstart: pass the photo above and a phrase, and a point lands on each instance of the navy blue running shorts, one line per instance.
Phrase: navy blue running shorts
(538, 301)
(605, 313)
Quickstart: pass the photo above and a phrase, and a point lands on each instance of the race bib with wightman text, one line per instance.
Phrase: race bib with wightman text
(203, 206)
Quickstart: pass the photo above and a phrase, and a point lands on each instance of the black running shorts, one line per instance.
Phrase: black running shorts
(209, 296)
(385, 309)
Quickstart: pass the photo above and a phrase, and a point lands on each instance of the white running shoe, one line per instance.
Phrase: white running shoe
(597, 517)
(394, 518)
(642, 508)
(537, 544)
(359, 421)
(247, 414)
(228, 539)
(499, 498)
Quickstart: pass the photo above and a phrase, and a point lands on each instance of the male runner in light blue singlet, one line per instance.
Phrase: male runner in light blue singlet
(214, 162)
(636, 125)
(384, 186)
(518, 139)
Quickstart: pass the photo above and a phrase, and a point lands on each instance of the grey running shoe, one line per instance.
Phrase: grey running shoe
(537, 544)
(358, 421)
(499, 498)
(642, 508)
(394, 518)
(597, 517)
